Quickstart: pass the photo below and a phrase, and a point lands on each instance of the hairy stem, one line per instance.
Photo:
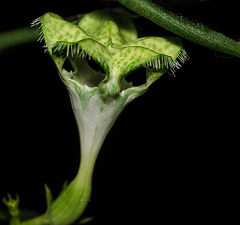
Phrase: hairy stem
(184, 27)
(18, 36)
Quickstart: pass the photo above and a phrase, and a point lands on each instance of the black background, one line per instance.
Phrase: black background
(171, 157)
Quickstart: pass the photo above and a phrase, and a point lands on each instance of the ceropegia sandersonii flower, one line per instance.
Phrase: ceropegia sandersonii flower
(108, 37)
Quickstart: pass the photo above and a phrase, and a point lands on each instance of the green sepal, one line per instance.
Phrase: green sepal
(12, 205)
(13, 208)
(49, 198)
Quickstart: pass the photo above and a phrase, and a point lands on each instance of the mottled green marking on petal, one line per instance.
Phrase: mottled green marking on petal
(56, 29)
(97, 25)
(144, 51)
(170, 46)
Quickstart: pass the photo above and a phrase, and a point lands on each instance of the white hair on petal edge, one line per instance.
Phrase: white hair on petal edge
(68, 49)
(168, 62)
(38, 23)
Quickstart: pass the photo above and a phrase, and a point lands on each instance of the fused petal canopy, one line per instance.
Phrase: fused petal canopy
(109, 37)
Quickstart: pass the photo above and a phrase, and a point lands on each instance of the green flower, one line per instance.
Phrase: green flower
(108, 37)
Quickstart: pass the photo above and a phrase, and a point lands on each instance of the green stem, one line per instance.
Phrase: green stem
(183, 27)
(74, 199)
(16, 37)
